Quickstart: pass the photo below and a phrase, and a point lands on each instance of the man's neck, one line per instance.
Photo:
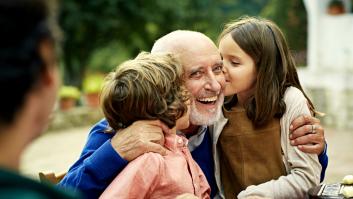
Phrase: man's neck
(10, 150)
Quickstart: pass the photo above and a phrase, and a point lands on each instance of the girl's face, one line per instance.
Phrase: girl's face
(239, 69)
(184, 121)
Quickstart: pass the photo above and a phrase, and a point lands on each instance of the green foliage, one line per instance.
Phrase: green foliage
(107, 58)
(291, 17)
(69, 92)
(335, 3)
(92, 83)
(99, 35)
(90, 25)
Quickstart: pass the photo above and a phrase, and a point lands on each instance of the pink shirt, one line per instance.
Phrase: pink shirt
(155, 176)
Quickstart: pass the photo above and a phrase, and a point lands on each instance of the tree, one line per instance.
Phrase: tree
(133, 24)
(122, 28)
(291, 17)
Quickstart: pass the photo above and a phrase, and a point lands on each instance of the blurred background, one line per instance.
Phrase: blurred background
(97, 36)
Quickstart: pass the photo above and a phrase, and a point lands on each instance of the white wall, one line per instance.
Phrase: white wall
(329, 75)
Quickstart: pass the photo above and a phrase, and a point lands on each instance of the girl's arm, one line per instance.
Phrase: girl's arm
(303, 169)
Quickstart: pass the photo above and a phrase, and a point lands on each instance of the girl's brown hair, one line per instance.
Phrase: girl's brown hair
(148, 87)
(264, 42)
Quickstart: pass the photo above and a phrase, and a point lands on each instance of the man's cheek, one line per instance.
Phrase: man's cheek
(192, 88)
(220, 77)
(221, 80)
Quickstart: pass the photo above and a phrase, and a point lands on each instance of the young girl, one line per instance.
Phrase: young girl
(261, 78)
(149, 88)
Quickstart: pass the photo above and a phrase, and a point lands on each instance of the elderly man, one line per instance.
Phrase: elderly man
(105, 155)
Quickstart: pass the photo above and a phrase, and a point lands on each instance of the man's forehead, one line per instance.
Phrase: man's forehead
(192, 63)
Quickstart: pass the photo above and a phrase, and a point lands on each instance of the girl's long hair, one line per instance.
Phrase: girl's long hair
(264, 42)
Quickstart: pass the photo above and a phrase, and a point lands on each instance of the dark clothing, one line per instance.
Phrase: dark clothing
(14, 186)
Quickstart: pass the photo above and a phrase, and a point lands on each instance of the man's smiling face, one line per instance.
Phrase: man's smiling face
(203, 73)
(205, 81)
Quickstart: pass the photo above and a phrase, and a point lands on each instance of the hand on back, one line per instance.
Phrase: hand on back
(307, 134)
(139, 138)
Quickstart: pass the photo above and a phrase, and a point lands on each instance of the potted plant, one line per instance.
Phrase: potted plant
(68, 96)
(92, 86)
(335, 7)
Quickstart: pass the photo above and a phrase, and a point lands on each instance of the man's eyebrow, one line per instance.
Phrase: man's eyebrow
(194, 69)
(219, 63)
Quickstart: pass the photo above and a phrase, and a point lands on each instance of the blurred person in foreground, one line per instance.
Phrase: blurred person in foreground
(106, 155)
(29, 81)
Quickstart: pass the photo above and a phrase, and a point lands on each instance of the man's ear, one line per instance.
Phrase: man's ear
(47, 54)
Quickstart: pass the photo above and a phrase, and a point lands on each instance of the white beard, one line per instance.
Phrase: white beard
(206, 117)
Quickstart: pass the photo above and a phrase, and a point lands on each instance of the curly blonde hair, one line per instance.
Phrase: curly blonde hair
(148, 87)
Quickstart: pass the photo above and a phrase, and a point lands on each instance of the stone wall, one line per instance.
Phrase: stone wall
(328, 78)
(76, 117)
(336, 104)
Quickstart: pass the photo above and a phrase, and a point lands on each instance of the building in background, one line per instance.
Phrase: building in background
(329, 75)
